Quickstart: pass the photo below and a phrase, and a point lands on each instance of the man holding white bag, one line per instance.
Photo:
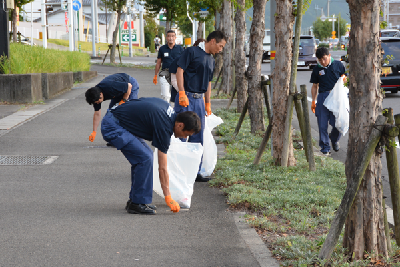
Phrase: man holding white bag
(126, 125)
(324, 77)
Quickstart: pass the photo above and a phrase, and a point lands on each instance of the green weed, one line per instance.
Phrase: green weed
(292, 207)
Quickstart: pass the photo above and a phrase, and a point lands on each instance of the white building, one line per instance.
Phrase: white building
(56, 20)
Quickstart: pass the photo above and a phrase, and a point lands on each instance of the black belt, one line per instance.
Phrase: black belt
(194, 95)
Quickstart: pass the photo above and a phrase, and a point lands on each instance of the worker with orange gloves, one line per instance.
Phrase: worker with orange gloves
(324, 77)
(126, 126)
(166, 55)
(194, 75)
(118, 87)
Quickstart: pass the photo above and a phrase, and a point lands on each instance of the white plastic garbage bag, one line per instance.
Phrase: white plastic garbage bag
(183, 160)
(338, 102)
(210, 148)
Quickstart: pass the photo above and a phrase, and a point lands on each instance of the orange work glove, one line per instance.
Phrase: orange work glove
(122, 101)
(313, 106)
(208, 108)
(92, 136)
(183, 100)
(155, 79)
(172, 204)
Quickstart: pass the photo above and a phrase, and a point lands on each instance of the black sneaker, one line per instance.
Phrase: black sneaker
(151, 206)
(336, 146)
(326, 153)
(200, 178)
(140, 209)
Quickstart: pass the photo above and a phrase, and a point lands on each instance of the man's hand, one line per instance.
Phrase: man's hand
(208, 108)
(313, 106)
(92, 136)
(155, 79)
(172, 204)
(122, 101)
(183, 100)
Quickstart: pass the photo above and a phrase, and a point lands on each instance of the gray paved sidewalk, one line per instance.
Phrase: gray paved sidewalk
(71, 212)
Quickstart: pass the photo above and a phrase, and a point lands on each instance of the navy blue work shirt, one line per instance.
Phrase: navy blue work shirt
(167, 54)
(198, 69)
(327, 77)
(151, 118)
(174, 66)
(113, 86)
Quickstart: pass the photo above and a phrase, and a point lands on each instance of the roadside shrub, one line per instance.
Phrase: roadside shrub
(27, 59)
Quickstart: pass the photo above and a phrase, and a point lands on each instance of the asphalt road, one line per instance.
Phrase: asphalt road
(390, 100)
(72, 212)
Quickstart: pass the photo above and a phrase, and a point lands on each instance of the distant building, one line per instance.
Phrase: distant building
(392, 13)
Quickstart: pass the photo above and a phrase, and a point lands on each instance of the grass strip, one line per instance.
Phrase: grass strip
(35, 59)
(291, 208)
(87, 46)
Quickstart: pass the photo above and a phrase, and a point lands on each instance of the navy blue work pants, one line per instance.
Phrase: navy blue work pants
(139, 155)
(133, 95)
(325, 116)
(196, 105)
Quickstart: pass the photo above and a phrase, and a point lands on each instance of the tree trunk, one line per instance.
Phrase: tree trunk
(254, 81)
(218, 57)
(115, 34)
(365, 230)
(200, 30)
(14, 25)
(281, 77)
(227, 52)
(240, 57)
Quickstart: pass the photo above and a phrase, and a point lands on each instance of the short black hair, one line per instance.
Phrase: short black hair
(321, 52)
(171, 31)
(218, 36)
(191, 121)
(92, 95)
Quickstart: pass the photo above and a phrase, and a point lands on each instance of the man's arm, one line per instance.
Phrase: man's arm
(207, 102)
(179, 79)
(164, 180)
(96, 119)
(314, 91)
(163, 173)
(158, 65)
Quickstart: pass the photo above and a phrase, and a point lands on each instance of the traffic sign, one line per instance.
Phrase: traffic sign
(125, 38)
(76, 5)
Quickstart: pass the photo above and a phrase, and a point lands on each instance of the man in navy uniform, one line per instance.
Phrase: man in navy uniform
(166, 54)
(194, 75)
(117, 87)
(126, 125)
(324, 77)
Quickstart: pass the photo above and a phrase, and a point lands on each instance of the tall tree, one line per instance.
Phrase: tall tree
(257, 32)
(227, 52)
(171, 9)
(116, 6)
(240, 57)
(14, 15)
(284, 20)
(364, 230)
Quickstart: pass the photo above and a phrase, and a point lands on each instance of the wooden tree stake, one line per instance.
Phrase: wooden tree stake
(394, 178)
(263, 144)
(307, 127)
(300, 118)
(351, 190)
(244, 111)
(287, 133)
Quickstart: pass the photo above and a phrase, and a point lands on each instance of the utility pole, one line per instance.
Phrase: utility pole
(129, 27)
(4, 36)
(71, 25)
(142, 44)
(328, 7)
(43, 19)
(93, 29)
